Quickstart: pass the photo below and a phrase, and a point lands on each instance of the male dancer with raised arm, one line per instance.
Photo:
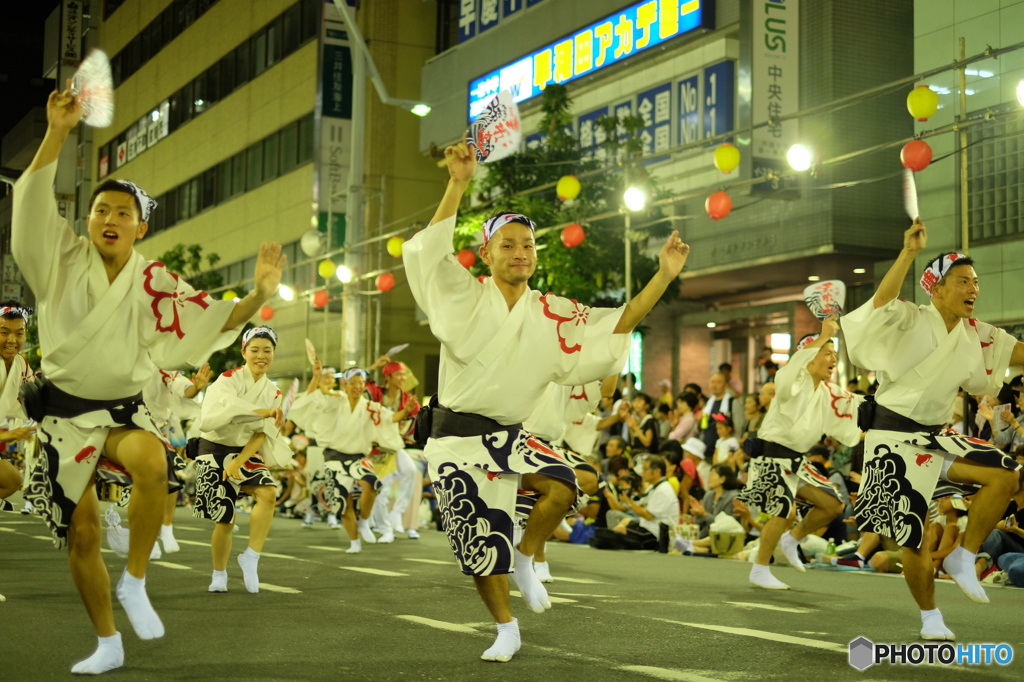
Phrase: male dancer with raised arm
(922, 355)
(502, 343)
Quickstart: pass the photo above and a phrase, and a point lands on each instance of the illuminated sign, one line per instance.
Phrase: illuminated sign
(617, 37)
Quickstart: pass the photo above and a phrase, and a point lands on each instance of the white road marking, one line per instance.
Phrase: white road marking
(326, 548)
(18, 523)
(168, 564)
(193, 542)
(666, 673)
(762, 634)
(437, 562)
(581, 581)
(374, 571)
(43, 537)
(769, 607)
(190, 528)
(440, 624)
(281, 556)
(553, 600)
(581, 594)
(278, 588)
(9, 530)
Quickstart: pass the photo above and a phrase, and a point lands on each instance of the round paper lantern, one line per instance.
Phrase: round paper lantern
(326, 268)
(573, 235)
(922, 102)
(916, 155)
(39, 352)
(320, 299)
(311, 242)
(568, 187)
(727, 157)
(482, 278)
(718, 205)
(467, 258)
(266, 312)
(229, 295)
(394, 246)
(385, 281)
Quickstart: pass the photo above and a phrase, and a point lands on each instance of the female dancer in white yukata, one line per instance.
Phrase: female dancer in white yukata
(239, 435)
(99, 299)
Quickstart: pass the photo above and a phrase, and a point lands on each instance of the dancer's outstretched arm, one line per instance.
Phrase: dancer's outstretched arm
(914, 241)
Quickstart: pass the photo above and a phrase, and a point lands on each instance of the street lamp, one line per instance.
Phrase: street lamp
(799, 157)
(1020, 92)
(344, 274)
(285, 292)
(635, 199)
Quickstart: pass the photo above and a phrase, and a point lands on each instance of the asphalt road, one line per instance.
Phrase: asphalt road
(405, 612)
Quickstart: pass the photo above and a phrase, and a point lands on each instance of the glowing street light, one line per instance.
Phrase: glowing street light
(344, 274)
(1020, 92)
(420, 109)
(285, 292)
(799, 157)
(635, 199)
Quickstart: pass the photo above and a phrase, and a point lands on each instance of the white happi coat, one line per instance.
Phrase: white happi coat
(336, 425)
(565, 413)
(12, 381)
(228, 414)
(97, 336)
(800, 413)
(918, 364)
(498, 362)
(165, 397)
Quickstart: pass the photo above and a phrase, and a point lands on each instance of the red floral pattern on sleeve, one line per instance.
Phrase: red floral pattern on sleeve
(168, 304)
(571, 318)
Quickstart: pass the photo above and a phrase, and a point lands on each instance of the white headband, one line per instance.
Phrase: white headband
(492, 225)
(806, 341)
(18, 310)
(264, 332)
(937, 269)
(354, 371)
(146, 202)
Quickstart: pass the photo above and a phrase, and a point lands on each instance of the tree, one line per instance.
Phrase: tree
(593, 272)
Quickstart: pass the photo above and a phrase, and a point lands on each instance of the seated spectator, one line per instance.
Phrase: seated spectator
(754, 413)
(615, 448)
(656, 507)
(1011, 438)
(821, 458)
(643, 426)
(726, 443)
(686, 418)
(691, 483)
(1004, 546)
(723, 488)
(663, 414)
(945, 533)
(672, 453)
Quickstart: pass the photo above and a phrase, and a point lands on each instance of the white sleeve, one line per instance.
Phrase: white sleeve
(386, 433)
(871, 333)
(794, 379)
(439, 283)
(180, 385)
(223, 406)
(603, 352)
(40, 238)
(308, 410)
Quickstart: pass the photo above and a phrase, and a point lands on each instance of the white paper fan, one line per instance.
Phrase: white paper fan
(497, 131)
(93, 86)
(826, 299)
(910, 194)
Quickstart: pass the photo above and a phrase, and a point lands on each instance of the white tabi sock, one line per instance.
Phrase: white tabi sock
(933, 627)
(109, 654)
(249, 560)
(355, 547)
(960, 567)
(364, 531)
(332, 521)
(167, 537)
(543, 571)
(155, 553)
(531, 588)
(396, 522)
(131, 592)
(788, 543)
(506, 644)
(762, 577)
(219, 582)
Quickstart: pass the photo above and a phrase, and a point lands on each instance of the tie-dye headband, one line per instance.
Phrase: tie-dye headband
(495, 223)
(17, 310)
(806, 341)
(261, 332)
(937, 269)
(354, 371)
(146, 202)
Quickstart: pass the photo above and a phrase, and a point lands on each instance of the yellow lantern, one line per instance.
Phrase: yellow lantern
(39, 352)
(229, 295)
(727, 157)
(326, 268)
(395, 246)
(922, 102)
(568, 187)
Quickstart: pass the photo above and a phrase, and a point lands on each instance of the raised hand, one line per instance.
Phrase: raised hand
(269, 266)
(201, 379)
(915, 238)
(461, 162)
(830, 326)
(63, 111)
(673, 255)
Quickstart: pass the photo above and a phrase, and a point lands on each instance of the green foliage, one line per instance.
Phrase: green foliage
(592, 273)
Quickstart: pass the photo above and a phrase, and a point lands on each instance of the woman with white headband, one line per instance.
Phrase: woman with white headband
(240, 422)
(922, 355)
(106, 317)
(347, 426)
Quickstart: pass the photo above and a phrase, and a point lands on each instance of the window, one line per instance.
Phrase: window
(169, 204)
(223, 181)
(995, 162)
(208, 191)
(259, 53)
(199, 100)
(289, 147)
(187, 102)
(274, 43)
(270, 158)
(227, 75)
(242, 64)
(212, 94)
(311, 13)
(254, 162)
(238, 174)
(194, 195)
(290, 29)
(305, 139)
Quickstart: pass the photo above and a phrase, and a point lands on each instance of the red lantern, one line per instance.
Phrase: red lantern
(467, 258)
(320, 299)
(482, 278)
(385, 281)
(718, 205)
(916, 155)
(266, 312)
(573, 235)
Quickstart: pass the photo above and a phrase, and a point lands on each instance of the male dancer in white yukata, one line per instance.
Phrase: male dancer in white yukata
(98, 295)
(922, 355)
(14, 371)
(502, 343)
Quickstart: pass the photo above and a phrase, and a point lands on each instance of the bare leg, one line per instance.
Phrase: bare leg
(368, 498)
(87, 567)
(554, 503)
(493, 590)
(826, 508)
(917, 568)
(997, 487)
(221, 545)
(770, 534)
(261, 515)
(171, 506)
(10, 479)
(348, 519)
